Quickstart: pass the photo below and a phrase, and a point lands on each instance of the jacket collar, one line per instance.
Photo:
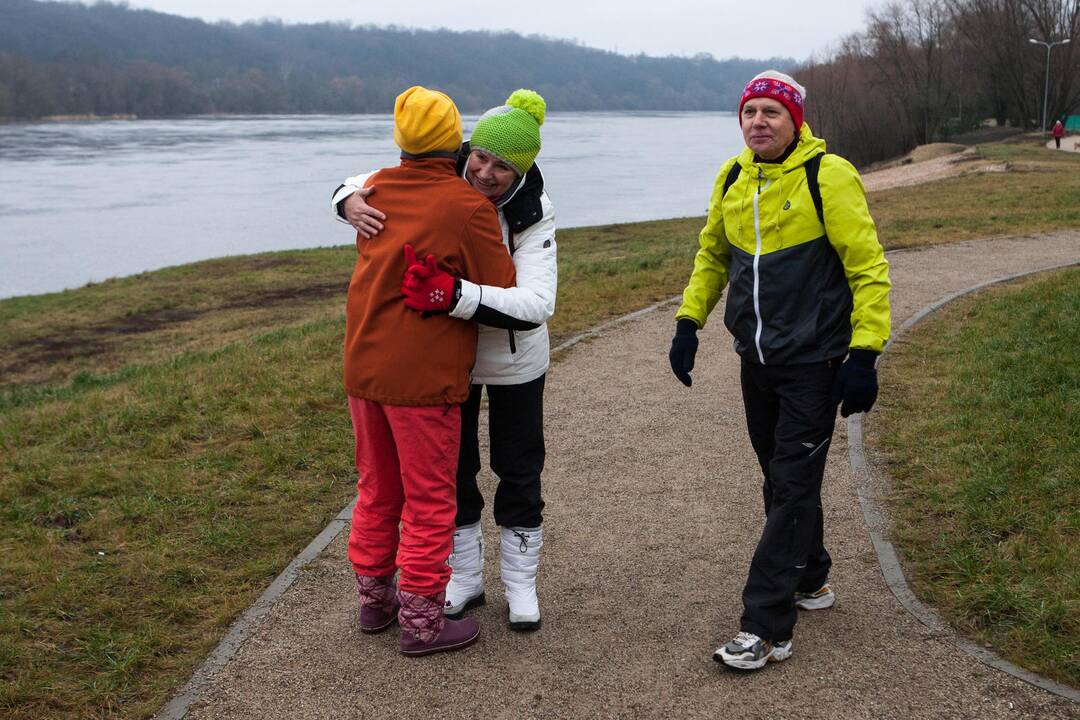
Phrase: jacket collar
(430, 163)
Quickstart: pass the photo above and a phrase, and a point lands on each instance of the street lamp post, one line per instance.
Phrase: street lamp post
(1046, 87)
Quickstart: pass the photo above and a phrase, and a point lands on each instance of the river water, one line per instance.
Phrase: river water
(85, 201)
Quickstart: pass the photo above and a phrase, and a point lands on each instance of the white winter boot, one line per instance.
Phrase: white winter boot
(466, 587)
(519, 561)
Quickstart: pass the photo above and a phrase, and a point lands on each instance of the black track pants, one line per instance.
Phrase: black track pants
(516, 428)
(790, 415)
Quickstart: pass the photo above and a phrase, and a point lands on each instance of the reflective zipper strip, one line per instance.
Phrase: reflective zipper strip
(757, 278)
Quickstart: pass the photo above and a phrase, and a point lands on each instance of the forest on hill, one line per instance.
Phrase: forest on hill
(59, 58)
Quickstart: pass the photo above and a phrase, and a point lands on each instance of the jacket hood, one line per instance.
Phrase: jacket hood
(808, 147)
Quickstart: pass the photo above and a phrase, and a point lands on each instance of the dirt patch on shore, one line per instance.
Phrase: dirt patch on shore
(933, 151)
(939, 161)
(71, 345)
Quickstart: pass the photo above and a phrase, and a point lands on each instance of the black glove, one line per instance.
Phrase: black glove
(856, 383)
(683, 349)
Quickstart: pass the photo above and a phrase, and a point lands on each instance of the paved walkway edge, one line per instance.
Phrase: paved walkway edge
(244, 625)
(888, 559)
(241, 629)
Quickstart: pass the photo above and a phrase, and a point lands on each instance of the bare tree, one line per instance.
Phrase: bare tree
(1054, 20)
(846, 105)
(924, 69)
(911, 45)
(997, 33)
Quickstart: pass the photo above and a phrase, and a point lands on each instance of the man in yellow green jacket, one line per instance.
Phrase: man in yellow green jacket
(790, 235)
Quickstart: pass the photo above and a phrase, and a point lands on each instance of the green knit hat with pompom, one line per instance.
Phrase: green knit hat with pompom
(511, 132)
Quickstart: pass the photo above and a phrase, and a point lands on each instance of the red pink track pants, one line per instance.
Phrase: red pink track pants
(407, 459)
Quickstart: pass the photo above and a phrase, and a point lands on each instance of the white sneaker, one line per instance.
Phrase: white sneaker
(749, 652)
(519, 553)
(466, 587)
(820, 599)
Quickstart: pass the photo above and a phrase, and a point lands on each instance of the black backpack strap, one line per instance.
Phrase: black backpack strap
(732, 176)
(812, 166)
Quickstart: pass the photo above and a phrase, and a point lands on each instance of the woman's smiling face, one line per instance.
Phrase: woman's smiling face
(488, 174)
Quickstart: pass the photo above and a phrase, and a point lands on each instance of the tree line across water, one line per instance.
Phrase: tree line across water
(106, 59)
(922, 70)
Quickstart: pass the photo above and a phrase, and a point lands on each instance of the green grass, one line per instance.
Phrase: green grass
(139, 518)
(169, 441)
(980, 420)
(1039, 192)
(152, 317)
(166, 453)
(79, 336)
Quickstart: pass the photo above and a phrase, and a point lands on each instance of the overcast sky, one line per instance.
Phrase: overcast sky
(724, 28)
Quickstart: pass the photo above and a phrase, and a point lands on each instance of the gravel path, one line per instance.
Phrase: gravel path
(1071, 143)
(653, 512)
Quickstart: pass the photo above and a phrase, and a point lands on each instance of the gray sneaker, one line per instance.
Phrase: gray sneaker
(820, 599)
(749, 652)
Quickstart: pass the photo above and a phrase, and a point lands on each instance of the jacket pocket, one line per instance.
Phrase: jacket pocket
(513, 342)
(739, 316)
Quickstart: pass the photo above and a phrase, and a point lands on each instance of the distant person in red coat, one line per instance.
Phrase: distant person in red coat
(1058, 132)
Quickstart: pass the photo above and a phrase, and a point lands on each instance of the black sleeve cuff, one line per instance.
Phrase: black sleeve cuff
(862, 357)
(457, 295)
(685, 326)
(340, 207)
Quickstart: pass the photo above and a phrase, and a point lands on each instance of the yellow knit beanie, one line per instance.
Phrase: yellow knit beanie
(426, 121)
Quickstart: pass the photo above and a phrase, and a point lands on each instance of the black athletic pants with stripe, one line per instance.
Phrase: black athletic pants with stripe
(790, 414)
(516, 430)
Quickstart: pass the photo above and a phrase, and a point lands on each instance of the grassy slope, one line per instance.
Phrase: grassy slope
(166, 453)
(1041, 191)
(981, 424)
(171, 440)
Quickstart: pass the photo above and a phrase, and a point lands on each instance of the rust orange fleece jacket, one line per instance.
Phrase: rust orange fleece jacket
(392, 354)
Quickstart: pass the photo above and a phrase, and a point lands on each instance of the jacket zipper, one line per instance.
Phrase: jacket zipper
(757, 258)
(513, 343)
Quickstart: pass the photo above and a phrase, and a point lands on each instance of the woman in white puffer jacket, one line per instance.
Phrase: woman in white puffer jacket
(512, 352)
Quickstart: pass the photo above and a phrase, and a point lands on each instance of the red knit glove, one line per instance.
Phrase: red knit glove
(426, 288)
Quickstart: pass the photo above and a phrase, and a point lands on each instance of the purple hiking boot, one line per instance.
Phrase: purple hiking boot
(378, 602)
(425, 630)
